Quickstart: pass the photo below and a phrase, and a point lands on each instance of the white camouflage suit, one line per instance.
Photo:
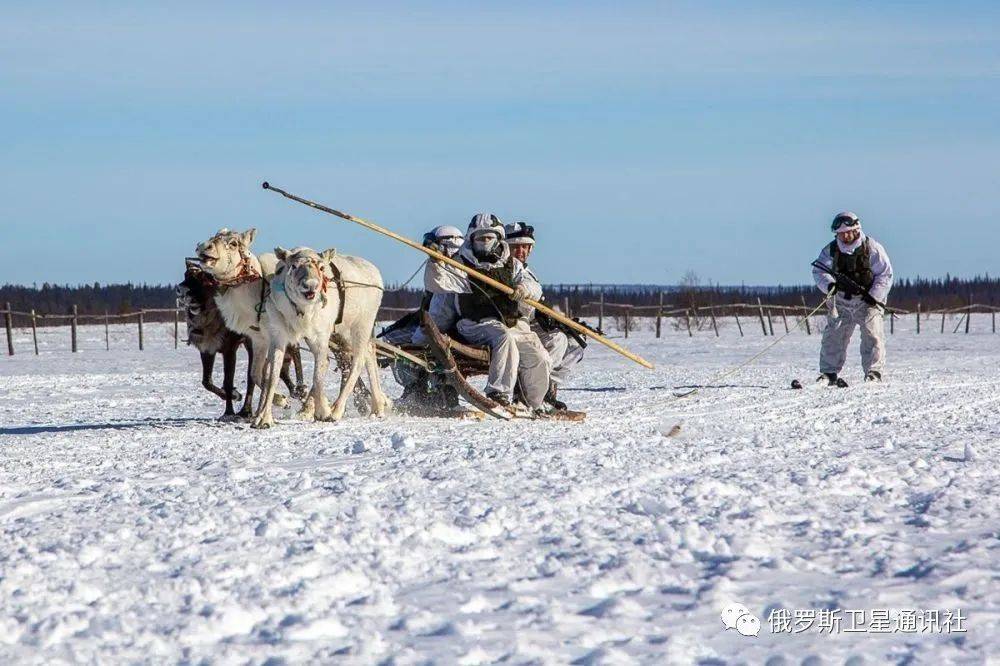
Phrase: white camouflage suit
(846, 314)
(564, 352)
(443, 282)
(516, 353)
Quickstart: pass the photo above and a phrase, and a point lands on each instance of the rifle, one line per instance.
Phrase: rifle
(848, 284)
(548, 323)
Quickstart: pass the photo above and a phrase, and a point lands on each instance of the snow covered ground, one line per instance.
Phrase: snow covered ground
(134, 527)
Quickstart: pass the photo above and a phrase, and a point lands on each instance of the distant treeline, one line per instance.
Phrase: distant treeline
(932, 294)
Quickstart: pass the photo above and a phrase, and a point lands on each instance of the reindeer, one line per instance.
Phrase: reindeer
(208, 334)
(307, 301)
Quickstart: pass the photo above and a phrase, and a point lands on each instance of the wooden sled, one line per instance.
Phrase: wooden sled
(454, 361)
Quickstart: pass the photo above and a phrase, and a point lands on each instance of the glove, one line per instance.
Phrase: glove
(520, 293)
(832, 288)
(869, 299)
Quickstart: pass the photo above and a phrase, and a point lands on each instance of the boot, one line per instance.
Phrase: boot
(551, 399)
(829, 377)
(499, 398)
(873, 376)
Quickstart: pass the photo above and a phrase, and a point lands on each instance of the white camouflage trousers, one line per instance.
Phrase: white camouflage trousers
(564, 353)
(838, 332)
(515, 353)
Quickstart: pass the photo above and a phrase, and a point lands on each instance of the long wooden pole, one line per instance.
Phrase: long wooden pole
(72, 331)
(499, 286)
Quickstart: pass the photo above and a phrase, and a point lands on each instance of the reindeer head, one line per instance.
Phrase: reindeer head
(303, 273)
(226, 255)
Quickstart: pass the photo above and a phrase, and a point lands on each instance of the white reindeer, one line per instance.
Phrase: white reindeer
(242, 278)
(304, 303)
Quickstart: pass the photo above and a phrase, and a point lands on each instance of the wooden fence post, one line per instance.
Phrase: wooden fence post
(9, 325)
(659, 314)
(73, 323)
(107, 332)
(994, 314)
(140, 330)
(715, 326)
(600, 312)
(687, 316)
(34, 330)
(177, 326)
(805, 315)
(565, 309)
(968, 315)
(760, 310)
(918, 318)
(628, 321)
(892, 323)
(942, 322)
(784, 319)
(770, 322)
(738, 324)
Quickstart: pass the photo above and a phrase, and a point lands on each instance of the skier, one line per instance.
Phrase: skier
(563, 352)
(863, 261)
(489, 317)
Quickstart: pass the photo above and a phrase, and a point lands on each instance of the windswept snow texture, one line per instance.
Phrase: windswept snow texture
(134, 527)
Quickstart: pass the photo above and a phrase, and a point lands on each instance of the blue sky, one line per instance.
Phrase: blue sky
(642, 140)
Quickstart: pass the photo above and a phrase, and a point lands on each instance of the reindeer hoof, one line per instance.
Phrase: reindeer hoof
(308, 411)
(300, 392)
(261, 424)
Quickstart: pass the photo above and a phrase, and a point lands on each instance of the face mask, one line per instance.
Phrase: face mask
(484, 243)
(450, 244)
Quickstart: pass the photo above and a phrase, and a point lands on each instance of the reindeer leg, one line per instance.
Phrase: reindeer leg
(380, 402)
(228, 375)
(247, 410)
(321, 405)
(347, 387)
(300, 386)
(207, 365)
(264, 417)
